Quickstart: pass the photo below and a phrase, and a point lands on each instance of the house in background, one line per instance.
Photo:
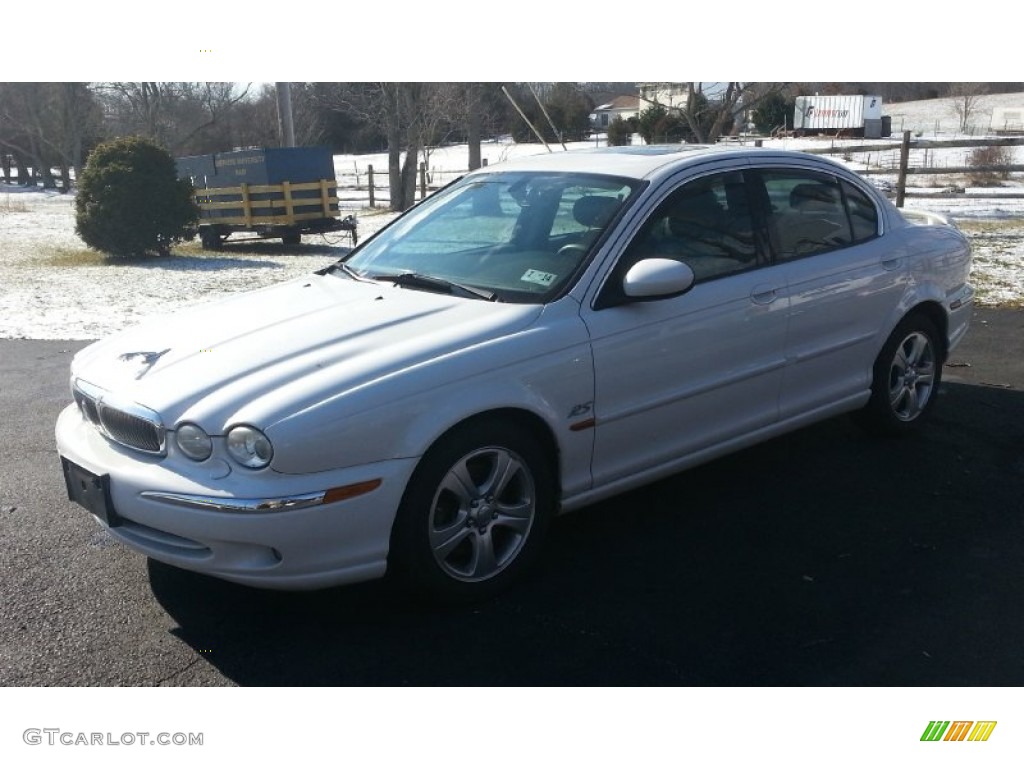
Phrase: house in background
(672, 96)
(619, 106)
(1008, 120)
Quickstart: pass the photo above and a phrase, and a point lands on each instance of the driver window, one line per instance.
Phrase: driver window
(706, 224)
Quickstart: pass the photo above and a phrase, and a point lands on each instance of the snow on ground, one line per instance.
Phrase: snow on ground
(937, 118)
(53, 287)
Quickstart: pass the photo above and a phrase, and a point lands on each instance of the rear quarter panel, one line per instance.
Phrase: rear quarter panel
(939, 264)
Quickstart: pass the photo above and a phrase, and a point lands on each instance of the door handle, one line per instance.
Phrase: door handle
(892, 264)
(764, 294)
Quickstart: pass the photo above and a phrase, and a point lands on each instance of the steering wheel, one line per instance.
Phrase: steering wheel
(577, 249)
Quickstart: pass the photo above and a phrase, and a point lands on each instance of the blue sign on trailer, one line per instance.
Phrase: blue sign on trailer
(262, 165)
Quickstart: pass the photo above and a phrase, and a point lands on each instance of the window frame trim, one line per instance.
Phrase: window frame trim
(608, 295)
(757, 172)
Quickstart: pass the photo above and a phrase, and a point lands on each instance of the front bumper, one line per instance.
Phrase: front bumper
(263, 529)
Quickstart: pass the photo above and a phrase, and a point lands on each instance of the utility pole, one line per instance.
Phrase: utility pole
(284, 114)
(525, 118)
(550, 121)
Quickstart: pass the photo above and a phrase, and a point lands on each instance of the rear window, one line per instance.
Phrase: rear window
(812, 213)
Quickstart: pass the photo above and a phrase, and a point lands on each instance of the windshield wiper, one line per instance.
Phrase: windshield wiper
(438, 285)
(343, 267)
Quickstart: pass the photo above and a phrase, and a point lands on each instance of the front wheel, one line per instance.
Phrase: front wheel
(475, 512)
(906, 378)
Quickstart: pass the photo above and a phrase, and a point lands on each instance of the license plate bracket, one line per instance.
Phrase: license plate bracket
(91, 491)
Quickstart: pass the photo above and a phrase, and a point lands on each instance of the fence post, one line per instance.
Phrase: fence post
(423, 180)
(369, 180)
(901, 183)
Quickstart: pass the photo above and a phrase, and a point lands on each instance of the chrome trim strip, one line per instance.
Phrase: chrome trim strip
(89, 390)
(222, 504)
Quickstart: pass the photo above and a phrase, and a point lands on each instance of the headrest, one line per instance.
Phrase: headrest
(701, 207)
(812, 196)
(594, 210)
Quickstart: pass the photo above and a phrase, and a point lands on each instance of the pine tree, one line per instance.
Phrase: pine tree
(130, 201)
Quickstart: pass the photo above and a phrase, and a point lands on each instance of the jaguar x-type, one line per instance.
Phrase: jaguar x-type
(539, 335)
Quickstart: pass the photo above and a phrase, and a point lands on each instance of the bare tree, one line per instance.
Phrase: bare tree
(709, 115)
(966, 101)
(80, 121)
(312, 103)
(410, 115)
(476, 110)
(46, 125)
(444, 109)
(20, 128)
(402, 119)
(252, 121)
(474, 124)
(174, 114)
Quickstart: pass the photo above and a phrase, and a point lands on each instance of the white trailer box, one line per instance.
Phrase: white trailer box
(836, 113)
(1008, 119)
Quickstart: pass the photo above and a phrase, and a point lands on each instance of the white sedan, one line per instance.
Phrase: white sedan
(538, 336)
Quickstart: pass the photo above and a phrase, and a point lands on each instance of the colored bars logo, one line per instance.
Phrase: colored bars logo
(958, 730)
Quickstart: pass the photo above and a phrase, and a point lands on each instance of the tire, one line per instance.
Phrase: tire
(905, 380)
(292, 238)
(474, 514)
(211, 240)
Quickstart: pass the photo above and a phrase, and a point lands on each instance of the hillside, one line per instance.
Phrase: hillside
(938, 117)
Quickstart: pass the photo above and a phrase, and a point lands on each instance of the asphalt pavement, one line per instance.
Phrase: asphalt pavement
(824, 557)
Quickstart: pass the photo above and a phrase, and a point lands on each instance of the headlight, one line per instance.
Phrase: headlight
(249, 447)
(194, 442)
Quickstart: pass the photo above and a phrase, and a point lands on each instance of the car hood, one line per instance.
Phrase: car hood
(260, 356)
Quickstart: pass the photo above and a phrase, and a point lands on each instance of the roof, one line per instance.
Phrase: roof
(629, 162)
(640, 162)
(620, 102)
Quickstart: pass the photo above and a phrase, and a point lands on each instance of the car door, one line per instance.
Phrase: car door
(844, 285)
(678, 376)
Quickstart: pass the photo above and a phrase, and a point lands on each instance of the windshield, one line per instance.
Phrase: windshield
(519, 236)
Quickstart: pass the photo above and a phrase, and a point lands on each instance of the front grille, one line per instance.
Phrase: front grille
(131, 430)
(131, 425)
(88, 407)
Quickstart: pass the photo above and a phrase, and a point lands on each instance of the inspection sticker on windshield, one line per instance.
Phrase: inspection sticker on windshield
(538, 277)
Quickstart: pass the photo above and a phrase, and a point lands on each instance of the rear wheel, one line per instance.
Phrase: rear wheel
(292, 238)
(475, 512)
(906, 378)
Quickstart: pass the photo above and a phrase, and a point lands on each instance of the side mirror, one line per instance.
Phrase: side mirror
(657, 279)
